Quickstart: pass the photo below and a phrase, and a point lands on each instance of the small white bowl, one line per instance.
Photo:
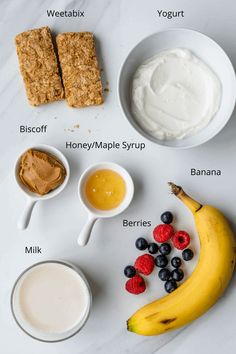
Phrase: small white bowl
(94, 213)
(32, 198)
(204, 48)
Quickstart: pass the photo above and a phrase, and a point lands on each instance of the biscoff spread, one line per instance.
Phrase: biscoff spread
(41, 172)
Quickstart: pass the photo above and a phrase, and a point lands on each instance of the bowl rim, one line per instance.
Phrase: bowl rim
(135, 125)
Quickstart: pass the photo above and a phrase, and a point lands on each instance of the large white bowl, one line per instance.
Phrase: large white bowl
(203, 47)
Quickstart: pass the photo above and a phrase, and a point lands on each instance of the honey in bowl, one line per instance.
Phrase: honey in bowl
(105, 189)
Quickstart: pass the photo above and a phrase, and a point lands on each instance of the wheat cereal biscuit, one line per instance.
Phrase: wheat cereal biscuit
(38, 66)
(80, 71)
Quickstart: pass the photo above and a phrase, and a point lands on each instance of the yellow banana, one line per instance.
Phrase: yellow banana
(206, 284)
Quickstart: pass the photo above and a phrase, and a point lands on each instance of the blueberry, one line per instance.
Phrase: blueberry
(167, 217)
(170, 286)
(176, 262)
(129, 271)
(161, 261)
(152, 248)
(165, 249)
(164, 274)
(187, 254)
(177, 274)
(141, 243)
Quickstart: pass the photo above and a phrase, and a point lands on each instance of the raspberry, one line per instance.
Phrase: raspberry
(181, 240)
(163, 232)
(144, 264)
(135, 285)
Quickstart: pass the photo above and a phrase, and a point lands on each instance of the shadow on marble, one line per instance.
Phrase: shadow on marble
(102, 66)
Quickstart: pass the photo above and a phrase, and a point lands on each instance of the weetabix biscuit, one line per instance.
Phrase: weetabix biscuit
(38, 66)
(80, 71)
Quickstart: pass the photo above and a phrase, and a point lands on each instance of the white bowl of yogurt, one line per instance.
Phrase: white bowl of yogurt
(51, 300)
(177, 88)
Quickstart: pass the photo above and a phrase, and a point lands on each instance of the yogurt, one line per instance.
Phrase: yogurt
(175, 94)
(51, 301)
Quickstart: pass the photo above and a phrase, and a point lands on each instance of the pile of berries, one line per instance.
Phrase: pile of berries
(144, 264)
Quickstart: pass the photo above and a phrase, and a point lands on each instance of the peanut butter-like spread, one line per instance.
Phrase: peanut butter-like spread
(41, 172)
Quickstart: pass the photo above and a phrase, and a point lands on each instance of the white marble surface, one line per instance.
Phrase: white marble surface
(118, 26)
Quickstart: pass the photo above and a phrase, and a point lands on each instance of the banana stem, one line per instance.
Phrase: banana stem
(178, 191)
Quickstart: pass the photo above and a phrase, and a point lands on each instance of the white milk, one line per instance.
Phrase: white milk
(51, 301)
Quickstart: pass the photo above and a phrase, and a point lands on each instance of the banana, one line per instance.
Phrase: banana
(207, 282)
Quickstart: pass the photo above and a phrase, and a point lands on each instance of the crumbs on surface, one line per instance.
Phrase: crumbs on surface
(106, 89)
(76, 126)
